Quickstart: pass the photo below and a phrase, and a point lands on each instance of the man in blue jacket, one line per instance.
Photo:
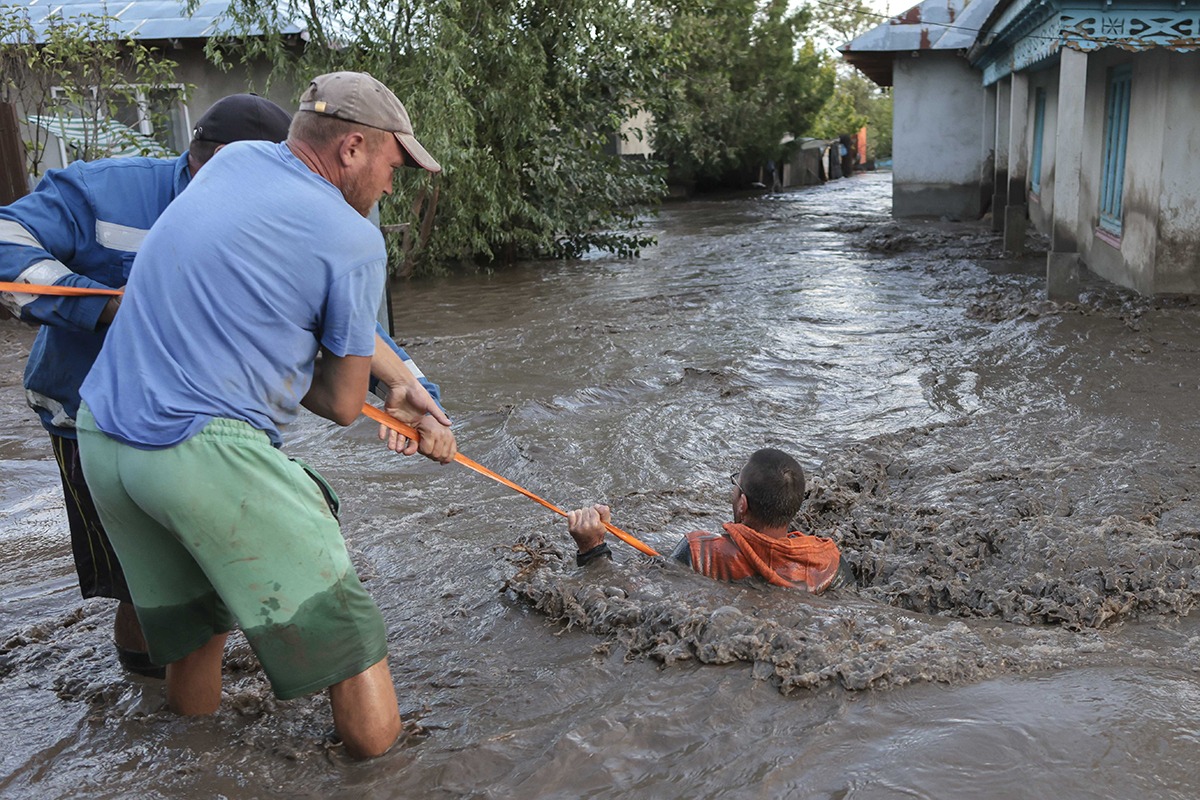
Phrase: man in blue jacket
(82, 226)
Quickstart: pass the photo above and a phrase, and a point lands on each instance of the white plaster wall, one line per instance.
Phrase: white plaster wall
(1100, 256)
(938, 100)
(1177, 267)
(1041, 205)
(1159, 247)
(635, 131)
(209, 84)
(1143, 169)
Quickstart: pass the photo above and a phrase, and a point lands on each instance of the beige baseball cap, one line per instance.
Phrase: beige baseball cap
(358, 97)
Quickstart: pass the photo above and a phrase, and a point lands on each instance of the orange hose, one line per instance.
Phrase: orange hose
(407, 430)
(368, 410)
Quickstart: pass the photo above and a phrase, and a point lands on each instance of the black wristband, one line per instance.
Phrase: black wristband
(600, 550)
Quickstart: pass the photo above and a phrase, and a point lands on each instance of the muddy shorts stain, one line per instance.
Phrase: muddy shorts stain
(224, 529)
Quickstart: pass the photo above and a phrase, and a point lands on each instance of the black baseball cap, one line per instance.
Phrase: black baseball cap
(242, 117)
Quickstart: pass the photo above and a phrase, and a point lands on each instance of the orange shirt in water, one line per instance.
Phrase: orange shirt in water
(799, 560)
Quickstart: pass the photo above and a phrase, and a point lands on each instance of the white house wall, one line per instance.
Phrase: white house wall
(1100, 256)
(935, 136)
(209, 84)
(1178, 265)
(1143, 170)
(1041, 205)
(1158, 250)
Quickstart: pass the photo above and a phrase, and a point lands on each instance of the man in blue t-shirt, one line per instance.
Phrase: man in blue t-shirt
(82, 227)
(255, 293)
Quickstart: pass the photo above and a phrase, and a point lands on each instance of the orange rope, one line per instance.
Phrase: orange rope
(407, 430)
(62, 291)
(368, 410)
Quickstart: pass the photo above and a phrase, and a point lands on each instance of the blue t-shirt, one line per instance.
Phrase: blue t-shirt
(242, 277)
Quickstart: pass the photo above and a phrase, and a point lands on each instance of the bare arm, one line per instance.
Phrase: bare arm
(586, 526)
(339, 387)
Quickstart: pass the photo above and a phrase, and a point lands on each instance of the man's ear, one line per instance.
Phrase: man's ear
(741, 504)
(352, 148)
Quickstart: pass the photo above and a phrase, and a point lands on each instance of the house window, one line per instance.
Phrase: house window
(1039, 133)
(159, 113)
(147, 122)
(1116, 133)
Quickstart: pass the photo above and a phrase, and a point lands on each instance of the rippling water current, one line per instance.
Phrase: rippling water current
(1013, 483)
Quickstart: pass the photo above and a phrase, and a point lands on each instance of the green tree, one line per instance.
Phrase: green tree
(75, 73)
(879, 124)
(739, 75)
(518, 99)
(856, 102)
(839, 22)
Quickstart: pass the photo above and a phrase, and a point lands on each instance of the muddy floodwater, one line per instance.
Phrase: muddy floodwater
(1014, 483)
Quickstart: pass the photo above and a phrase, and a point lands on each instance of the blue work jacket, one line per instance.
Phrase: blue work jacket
(81, 226)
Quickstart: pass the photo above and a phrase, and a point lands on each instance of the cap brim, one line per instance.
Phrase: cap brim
(418, 154)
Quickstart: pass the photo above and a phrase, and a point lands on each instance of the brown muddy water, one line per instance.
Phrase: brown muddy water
(1014, 483)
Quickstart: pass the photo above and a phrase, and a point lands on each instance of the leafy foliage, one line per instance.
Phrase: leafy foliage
(522, 102)
(856, 102)
(739, 75)
(842, 20)
(519, 100)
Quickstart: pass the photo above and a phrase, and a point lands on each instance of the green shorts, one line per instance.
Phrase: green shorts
(225, 529)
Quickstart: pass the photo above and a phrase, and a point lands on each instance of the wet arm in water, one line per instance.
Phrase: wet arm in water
(586, 526)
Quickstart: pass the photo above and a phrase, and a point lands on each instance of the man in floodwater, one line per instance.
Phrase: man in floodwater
(82, 227)
(255, 293)
(767, 493)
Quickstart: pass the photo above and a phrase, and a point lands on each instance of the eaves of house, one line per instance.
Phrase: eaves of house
(948, 25)
(1028, 34)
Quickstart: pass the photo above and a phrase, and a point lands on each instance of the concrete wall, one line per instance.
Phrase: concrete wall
(1041, 205)
(936, 147)
(1177, 268)
(1100, 254)
(1158, 174)
(635, 135)
(1143, 170)
(208, 84)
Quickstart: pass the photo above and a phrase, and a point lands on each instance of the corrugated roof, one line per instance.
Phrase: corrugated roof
(140, 19)
(931, 25)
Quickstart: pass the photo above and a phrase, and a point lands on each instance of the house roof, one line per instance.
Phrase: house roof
(930, 25)
(141, 19)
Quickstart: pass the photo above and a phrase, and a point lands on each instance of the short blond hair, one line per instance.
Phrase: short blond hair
(320, 130)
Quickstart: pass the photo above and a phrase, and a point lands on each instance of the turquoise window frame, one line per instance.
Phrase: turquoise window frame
(1116, 136)
(1039, 133)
